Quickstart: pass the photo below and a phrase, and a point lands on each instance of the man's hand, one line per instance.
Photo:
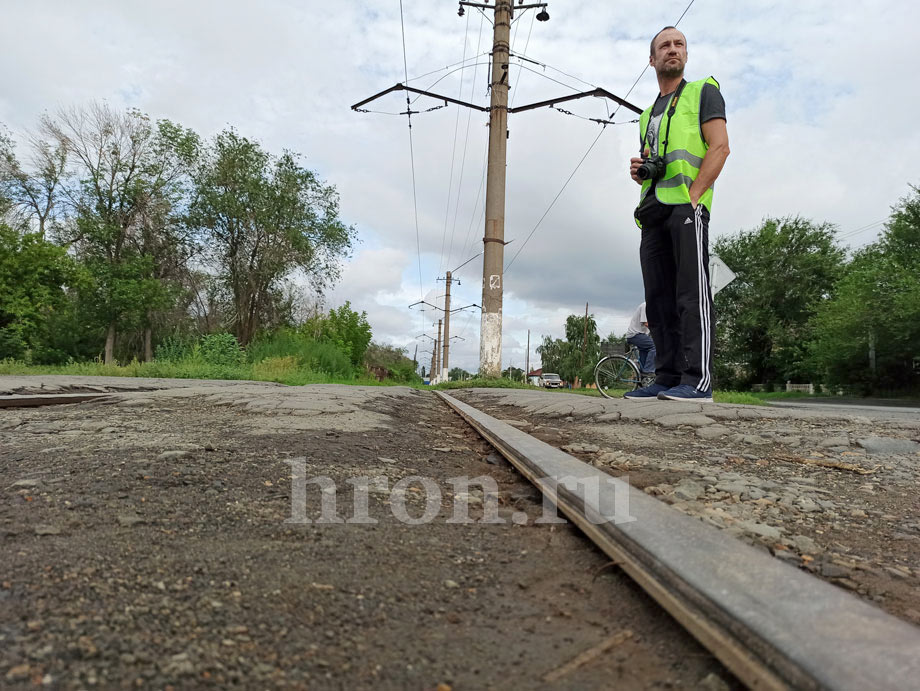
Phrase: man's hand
(634, 164)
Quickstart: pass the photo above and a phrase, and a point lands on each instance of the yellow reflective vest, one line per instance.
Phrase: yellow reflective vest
(685, 146)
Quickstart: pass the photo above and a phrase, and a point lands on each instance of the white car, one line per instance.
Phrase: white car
(551, 381)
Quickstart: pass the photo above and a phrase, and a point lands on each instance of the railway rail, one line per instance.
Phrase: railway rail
(772, 625)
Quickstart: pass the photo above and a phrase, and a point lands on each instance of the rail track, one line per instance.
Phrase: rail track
(772, 625)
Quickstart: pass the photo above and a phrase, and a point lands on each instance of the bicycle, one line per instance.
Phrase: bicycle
(618, 372)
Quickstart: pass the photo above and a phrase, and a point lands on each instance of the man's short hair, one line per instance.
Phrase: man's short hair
(651, 50)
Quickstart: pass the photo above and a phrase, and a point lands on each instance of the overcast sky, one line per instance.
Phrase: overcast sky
(821, 101)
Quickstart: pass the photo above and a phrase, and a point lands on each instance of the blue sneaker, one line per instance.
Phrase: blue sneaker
(646, 393)
(685, 392)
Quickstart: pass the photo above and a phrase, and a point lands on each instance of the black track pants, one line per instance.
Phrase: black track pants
(675, 269)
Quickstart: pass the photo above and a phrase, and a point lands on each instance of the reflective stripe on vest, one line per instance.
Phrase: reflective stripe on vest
(685, 147)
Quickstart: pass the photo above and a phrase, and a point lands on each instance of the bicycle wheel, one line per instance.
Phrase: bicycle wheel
(614, 374)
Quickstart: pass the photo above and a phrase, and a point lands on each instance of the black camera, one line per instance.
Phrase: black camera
(652, 168)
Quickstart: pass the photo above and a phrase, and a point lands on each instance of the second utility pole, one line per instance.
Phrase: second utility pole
(490, 342)
(446, 344)
(437, 352)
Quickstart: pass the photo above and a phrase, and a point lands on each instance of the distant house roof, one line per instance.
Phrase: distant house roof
(536, 373)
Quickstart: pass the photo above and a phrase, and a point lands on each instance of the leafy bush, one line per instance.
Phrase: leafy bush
(398, 366)
(347, 329)
(221, 349)
(12, 344)
(174, 349)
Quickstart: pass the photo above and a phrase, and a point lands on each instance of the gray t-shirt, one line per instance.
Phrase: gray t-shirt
(712, 106)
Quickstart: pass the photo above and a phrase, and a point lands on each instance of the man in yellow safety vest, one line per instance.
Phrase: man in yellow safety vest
(684, 144)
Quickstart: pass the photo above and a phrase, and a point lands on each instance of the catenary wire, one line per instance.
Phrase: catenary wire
(453, 151)
(468, 242)
(862, 229)
(526, 45)
(466, 142)
(440, 79)
(552, 203)
(524, 56)
(447, 67)
(418, 240)
(469, 239)
(642, 73)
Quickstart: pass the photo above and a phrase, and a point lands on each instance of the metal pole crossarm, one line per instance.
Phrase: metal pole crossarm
(403, 87)
(492, 7)
(600, 93)
(422, 302)
(460, 309)
(477, 4)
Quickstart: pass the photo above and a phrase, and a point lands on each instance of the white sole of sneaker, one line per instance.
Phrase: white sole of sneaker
(686, 400)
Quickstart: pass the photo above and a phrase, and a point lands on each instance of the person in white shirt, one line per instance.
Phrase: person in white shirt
(637, 334)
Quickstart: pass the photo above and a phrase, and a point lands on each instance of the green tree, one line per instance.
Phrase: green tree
(513, 373)
(33, 276)
(868, 334)
(785, 269)
(458, 374)
(585, 347)
(162, 233)
(263, 218)
(553, 353)
(577, 354)
(35, 194)
(114, 179)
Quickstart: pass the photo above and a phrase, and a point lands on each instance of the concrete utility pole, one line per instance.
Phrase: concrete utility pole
(584, 342)
(444, 361)
(527, 359)
(490, 342)
(437, 351)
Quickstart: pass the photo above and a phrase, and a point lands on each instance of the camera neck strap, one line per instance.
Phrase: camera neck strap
(671, 110)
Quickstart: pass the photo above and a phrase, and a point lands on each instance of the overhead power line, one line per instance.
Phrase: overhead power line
(418, 240)
(862, 229)
(466, 142)
(453, 153)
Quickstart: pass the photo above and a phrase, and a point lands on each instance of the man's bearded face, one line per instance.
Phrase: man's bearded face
(670, 55)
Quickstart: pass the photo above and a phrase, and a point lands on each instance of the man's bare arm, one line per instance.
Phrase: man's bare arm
(716, 135)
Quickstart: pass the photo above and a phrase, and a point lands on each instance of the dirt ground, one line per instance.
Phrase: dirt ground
(835, 495)
(145, 545)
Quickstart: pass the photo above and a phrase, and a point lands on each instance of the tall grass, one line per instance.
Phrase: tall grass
(310, 355)
(284, 357)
